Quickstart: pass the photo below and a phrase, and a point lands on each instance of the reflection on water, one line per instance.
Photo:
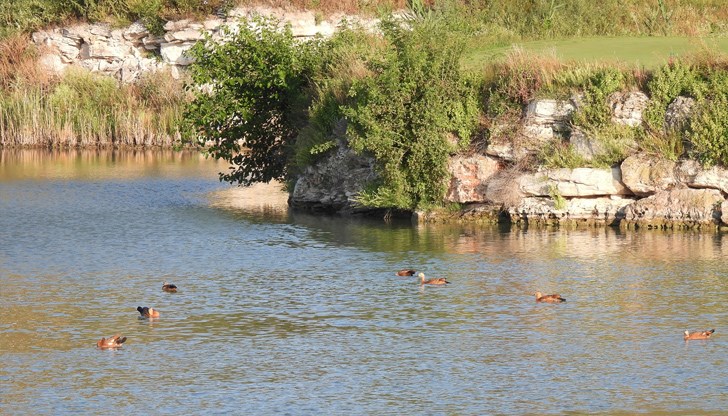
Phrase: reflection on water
(101, 164)
(282, 312)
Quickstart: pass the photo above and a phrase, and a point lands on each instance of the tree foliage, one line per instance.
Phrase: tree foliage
(257, 80)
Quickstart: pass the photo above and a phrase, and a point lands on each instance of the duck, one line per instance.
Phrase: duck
(437, 281)
(169, 287)
(146, 312)
(698, 334)
(406, 272)
(555, 298)
(111, 342)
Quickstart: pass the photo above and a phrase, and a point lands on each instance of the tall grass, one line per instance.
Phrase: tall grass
(80, 108)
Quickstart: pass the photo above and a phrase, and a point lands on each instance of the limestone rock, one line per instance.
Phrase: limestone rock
(52, 63)
(174, 53)
(469, 177)
(678, 113)
(135, 32)
(332, 184)
(692, 174)
(589, 211)
(644, 174)
(627, 107)
(585, 146)
(546, 119)
(676, 208)
(574, 183)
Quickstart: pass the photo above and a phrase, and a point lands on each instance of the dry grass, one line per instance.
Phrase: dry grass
(19, 63)
(329, 7)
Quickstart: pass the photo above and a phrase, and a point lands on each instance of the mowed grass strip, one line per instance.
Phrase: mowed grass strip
(647, 52)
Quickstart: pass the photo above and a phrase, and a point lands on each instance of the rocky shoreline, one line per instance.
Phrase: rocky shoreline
(643, 191)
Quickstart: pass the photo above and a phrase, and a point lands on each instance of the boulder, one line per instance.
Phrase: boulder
(545, 119)
(678, 113)
(174, 53)
(692, 174)
(574, 183)
(676, 208)
(644, 174)
(469, 177)
(586, 211)
(585, 146)
(332, 184)
(627, 107)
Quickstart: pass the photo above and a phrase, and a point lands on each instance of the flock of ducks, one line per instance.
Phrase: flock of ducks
(540, 297)
(116, 341)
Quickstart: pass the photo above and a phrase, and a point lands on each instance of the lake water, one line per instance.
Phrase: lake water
(285, 313)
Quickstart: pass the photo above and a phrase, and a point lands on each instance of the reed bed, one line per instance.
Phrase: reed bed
(81, 109)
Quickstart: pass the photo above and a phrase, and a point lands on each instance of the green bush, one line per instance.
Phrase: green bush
(404, 114)
(258, 83)
(708, 128)
(667, 83)
(594, 112)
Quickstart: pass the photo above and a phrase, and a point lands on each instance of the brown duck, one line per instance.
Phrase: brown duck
(169, 287)
(146, 312)
(111, 342)
(698, 334)
(437, 281)
(555, 298)
(406, 272)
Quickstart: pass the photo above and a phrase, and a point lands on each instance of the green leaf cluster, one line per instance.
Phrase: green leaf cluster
(404, 114)
(257, 81)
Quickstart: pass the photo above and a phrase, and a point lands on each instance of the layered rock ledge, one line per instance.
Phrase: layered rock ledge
(492, 185)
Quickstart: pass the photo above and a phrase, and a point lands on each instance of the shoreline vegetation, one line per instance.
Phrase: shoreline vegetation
(423, 88)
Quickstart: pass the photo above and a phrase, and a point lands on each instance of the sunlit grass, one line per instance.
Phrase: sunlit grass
(647, 52)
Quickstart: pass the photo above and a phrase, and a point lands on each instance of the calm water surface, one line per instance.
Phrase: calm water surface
(285, 313)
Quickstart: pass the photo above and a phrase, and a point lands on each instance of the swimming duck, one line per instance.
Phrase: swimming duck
(111, 342)
(698, 335)
(406, 272)
(169, 287)
(437, 281)
(555, 298)
(148, 312)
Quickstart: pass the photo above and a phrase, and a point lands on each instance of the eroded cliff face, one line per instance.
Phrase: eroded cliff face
(493, 185)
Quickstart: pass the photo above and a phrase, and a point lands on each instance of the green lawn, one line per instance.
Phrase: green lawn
(648, 52)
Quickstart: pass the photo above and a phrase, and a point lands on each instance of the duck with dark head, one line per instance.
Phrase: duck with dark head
(169, 287)
(146, 312)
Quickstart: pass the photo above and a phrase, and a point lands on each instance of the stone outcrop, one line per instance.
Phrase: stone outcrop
(129, 52)
(627, 107)
(546, 119)
(574, 183)
(676, 208)
(644, 191)
(469, 177)
(333, 184)
(678, 113)
(645, 175)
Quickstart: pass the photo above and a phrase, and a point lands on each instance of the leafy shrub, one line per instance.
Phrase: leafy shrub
(594, 112)
(403, 114)
(259, 80)
(667, 83)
